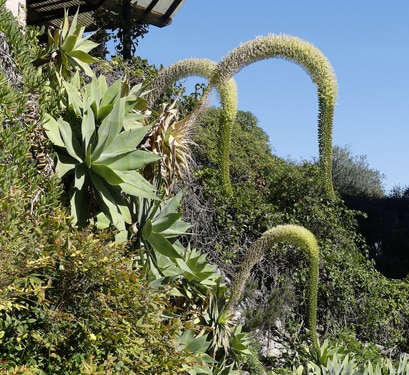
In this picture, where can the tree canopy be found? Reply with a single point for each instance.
(352, 175)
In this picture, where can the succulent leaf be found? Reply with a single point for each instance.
(102, 154)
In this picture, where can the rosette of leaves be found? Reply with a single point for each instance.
(197, 287)
(159, 228)
(67, 49)
(156, 229)
(228, 344)
(96, 146)
(339, 360)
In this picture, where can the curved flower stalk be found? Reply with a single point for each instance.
(227, 90)
(312, 61)
(303, 238)
(177, 71)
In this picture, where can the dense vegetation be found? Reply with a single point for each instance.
(101, 273)
(353, 297)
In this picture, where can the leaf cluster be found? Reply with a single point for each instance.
(65, 292)
(97, 151)
(337, 359)
(67, 50)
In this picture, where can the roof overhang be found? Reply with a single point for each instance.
(50, 12)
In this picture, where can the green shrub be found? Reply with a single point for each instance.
(81, 304)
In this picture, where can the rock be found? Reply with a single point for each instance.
(7, 64)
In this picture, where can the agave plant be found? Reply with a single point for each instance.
(97, 152)
(170, 138)
(160, 224)
(228, 344)
(67, 50)
(338, 360)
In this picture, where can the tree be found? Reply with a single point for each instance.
(122, 27)
(251, 153)
(352, 175)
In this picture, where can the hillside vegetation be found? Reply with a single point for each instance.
(119, 242)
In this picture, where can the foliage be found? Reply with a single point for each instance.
(113, 25)
(171, 139)
(137, 70)
(197, 288)
(352, 175)
(25, 46)
(74, 302)
(99, 140)
(67, 50)
(159, 224)
(97, 151)
(339, 360)
(71, 301)
(246, 208)
(282, 233)
(352, 293)
(352, 296)
(385, 223)
(79, 305)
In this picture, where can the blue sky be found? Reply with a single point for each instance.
(366, 42)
